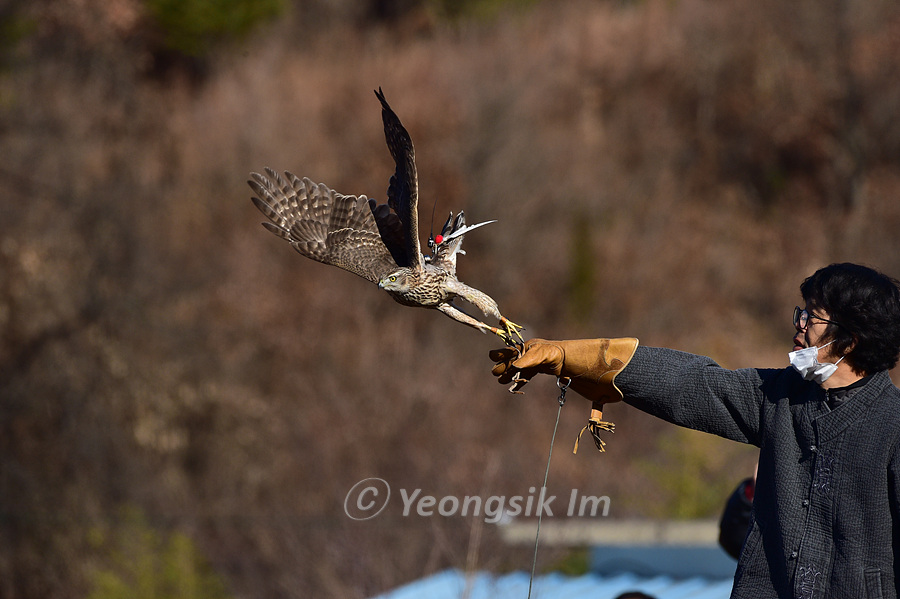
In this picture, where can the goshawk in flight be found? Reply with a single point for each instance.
(379, 242)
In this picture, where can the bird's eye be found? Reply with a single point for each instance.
(393, 278)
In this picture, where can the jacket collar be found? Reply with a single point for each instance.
(829, 423)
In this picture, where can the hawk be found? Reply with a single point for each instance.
(379, 242)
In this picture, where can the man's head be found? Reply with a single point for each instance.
(863, 307)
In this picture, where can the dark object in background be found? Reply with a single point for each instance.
(736, 518)
(635, 595)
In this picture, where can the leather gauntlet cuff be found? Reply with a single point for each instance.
(599, 362)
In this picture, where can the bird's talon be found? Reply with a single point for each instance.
(512, 331)
(509, 340)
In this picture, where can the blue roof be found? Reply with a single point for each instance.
(455, 584)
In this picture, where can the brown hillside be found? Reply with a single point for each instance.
(668, 170)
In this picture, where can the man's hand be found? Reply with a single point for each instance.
(591, 364)
(538, 356)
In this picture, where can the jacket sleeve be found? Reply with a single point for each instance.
(695, 392)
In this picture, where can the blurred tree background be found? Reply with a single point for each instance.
(185, 402)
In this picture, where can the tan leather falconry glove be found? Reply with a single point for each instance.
(590, 364)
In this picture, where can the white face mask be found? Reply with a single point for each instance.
(805, 361)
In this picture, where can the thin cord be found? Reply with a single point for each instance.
(537, 535)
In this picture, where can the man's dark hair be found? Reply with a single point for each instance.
(866, 304)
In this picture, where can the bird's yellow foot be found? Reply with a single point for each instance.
(510, 332)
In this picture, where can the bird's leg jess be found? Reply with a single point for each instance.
(595, 425)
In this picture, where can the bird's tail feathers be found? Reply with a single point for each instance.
(449, 243)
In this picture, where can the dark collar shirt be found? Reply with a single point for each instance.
(826, 510)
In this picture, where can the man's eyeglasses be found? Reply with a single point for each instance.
(802, 318)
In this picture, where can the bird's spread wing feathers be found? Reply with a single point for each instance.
(322, 224)
(403, 191)
(391, 230)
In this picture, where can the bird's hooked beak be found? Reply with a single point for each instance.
(381, 284)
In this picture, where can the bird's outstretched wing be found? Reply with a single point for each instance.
(403, 193)
(322, 224)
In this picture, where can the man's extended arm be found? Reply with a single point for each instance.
(695, 392)
(685, 389)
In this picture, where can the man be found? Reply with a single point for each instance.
(826, 508)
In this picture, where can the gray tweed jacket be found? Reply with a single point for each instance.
(826, 513)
